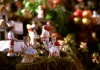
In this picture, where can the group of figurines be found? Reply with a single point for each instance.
(48, 38)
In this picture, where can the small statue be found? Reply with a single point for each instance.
(3, 13)
(54, 46)
(32, 34)
(11, 39)
(40, 12)
(45, 36)
(50, 27)
(29, 52)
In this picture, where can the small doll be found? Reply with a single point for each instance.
(29, 52)
(32, 33)
(11, 39)
(45, 36)
(54, 46)
(40, 12)
(50, 27)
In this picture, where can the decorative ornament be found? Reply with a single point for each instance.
(86, 21)
(87, 14)
(77, 20)
(83, 45)
(78, 13)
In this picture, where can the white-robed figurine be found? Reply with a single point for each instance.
(45, 36)
(40, 12)
(29, 52)
(11, 39)
(32, 34)
(54, 46)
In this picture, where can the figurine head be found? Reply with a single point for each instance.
(54, 36)
(48, 23)
(30, 27)
(11, 28)
(25, 38)
(39, 7)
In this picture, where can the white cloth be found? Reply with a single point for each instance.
(28, 49)
(53, 48)
(45, 36)
(40, 14)
(11, 35)
(32, 34)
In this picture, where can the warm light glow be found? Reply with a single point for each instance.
(41, 52)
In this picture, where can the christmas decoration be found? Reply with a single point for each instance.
(32, 33)
(77, 20)
(87, 14)
(83, 47)
(54, 46)
(29, 52)
(50, 11)
(78, 13)
(70, 43)
(11, 38)
(45, 35)
(86, 21)
(79, 29)
(96, 57)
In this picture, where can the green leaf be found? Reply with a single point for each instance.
(23, 11)
(48, 16)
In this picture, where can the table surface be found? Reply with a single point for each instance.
(4, 45)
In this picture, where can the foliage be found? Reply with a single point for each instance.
(59, 14)
(40, 63)
(70, 40)
(61, 21)
(49, 64)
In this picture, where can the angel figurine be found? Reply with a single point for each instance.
(29, 52)
(54, 46)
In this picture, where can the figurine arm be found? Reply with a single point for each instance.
(12, 35)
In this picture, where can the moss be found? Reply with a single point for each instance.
(40, 63)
